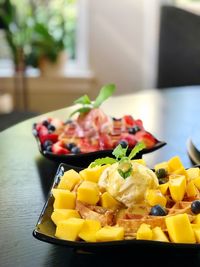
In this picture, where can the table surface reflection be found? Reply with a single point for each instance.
(171, 115)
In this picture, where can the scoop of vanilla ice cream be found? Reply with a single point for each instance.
(131, 190)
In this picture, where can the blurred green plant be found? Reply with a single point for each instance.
(39, 28)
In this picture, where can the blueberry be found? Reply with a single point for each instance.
(34, 125)
(123, 143)
(75, 150)
(195, 206)
(69, 146)
(35, 132)
(45, 123)
(158, 210)
(134, 129)
(49, 148)
(116, 119)
(47, 143)
(161, 173)
(51, 128)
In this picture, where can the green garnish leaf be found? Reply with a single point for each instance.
(124, 174)
(137, 148)
(102, 161)
(85, 100)
(80, 110)
(119, 152)
(106, 92)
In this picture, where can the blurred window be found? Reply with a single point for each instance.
(74, 13)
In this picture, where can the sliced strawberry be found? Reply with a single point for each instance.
(57, 123)
(58, 149)
(105, 142)
(129, 121)
(87, 145)
(139, 123)
(147, 138)
(52, 137)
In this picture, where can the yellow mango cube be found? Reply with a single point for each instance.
(175, 163)
(110, 233)
(163, 188)
(180, 229)
(177, 187)
(108, 202)
(197, 234)
(64, 199)
(88, 192)
(69, 180)
(191, 189)
(162, 165)
(69, 229)
(181, 171)
(197, 219)
(63, 214)
(193, 173)
(155, 197)
(144, 232)
(197, 182)
(140, 161)
(159, 235)
(92, 174)
(89, 229)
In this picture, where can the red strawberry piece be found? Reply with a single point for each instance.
(52, 137)
(87, 146)
(130, 138)
(59, 149)
(129, 121)
(147, 138)
(105, 142)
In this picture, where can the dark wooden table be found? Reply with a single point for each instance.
(25, 179)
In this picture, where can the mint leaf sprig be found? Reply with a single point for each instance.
(125, 166)
(87, 104)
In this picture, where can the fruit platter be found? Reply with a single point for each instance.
(89, 132)
(120, 201)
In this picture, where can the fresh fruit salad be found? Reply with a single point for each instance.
(91, 130)
(122, 199)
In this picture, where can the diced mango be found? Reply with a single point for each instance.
(159, 235)
(108, 202)
(110, 233)
(180, 229)
(69, 229)
(88, 192)
(197, 219)
(69, 180)
(193, 173)
(175, 163)
(155, 197)
(63, 214)
(89, 229)
(197, 182)
(197, 234)
(162, 165)
(140, 161)
(64, 199)
(180, 171)
(144, 232)
(163, 188)
(92, 174)
(177, 187)
(191, 189)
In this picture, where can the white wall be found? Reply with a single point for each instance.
(123, 42)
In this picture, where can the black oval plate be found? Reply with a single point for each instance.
(84, 159)
(45, 231)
